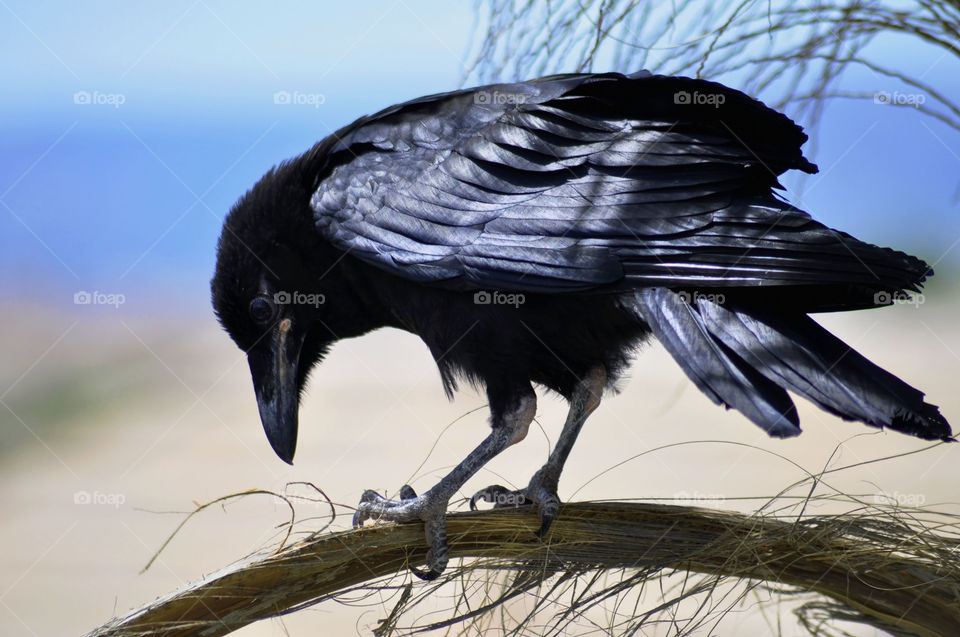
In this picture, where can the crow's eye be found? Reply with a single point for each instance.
(261, 310)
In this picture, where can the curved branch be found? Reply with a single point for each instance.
(890, 575)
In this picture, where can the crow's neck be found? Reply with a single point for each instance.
(357, 302)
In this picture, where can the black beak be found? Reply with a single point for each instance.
(274, 370)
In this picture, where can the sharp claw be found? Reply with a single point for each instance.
(482, 494)
(499, 495)
(428, 575)
(438, 556)
(546, 520)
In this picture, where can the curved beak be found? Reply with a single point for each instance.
(273, 366)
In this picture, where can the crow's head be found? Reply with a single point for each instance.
(269, 294)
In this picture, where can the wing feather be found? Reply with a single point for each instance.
(586, 182)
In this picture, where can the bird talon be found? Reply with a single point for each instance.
(537, 492)
(427, 507)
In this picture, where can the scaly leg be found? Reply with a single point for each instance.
(542, 489)
(431, 507)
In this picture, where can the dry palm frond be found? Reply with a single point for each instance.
(887, 567)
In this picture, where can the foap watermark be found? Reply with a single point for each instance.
(96, 98)
(898, 298)
(299, 298)
(99, 498)
(297, 98)
(696, 98)
(499, 97)
(483, 297)
(697, 499)
(899, 99)
(96, 297)
(504, 498)
(900, 499)
(691, 298)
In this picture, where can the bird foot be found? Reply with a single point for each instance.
(542, 492)
(427, 507)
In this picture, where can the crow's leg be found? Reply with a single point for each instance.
(542, 489)
(509, 427)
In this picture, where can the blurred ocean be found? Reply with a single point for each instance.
(129, 131)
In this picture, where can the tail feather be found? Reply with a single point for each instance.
(788, 352)
(716, 370)
(796, 353)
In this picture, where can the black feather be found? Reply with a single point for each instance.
(587, 183)
(796, 353)
(717, 370)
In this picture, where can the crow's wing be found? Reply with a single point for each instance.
(586, 182)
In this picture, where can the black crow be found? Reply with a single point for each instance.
(536, 233)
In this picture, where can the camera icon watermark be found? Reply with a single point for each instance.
(98, 498)
(696, 98)
(97, 98)
(299, 298)
(499, 98)
(483, 297)
(898, 298)
(297, 98)
(691, 298)
(82, 297)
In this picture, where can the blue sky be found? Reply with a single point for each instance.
(129, 129)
